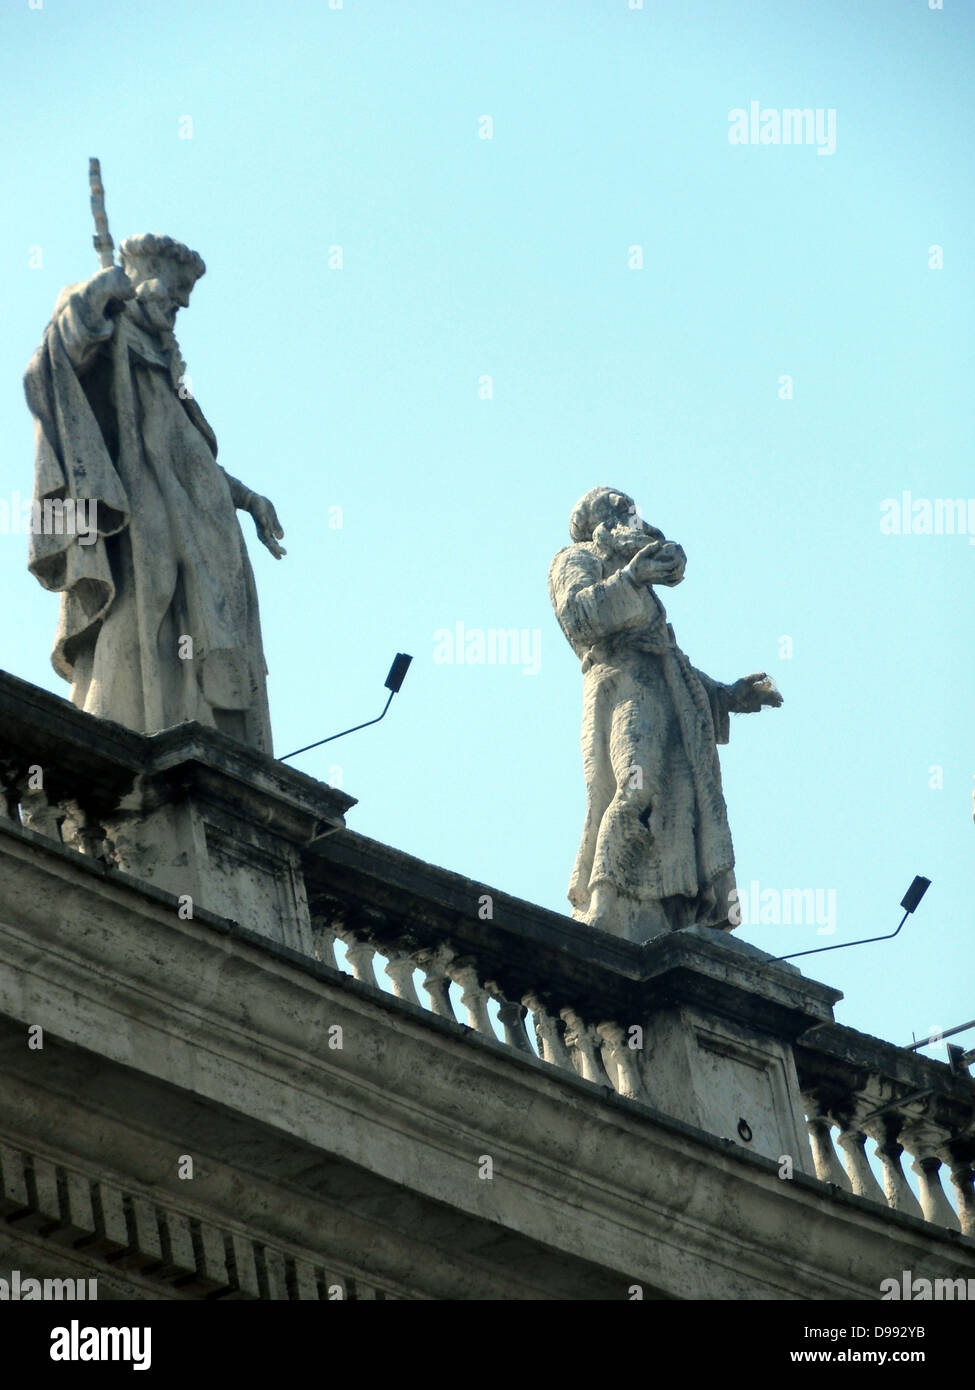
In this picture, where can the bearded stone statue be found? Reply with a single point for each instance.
(656, 851)
(159, 622)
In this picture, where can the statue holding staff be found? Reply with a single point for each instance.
(159, 621)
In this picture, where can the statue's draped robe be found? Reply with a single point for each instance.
(656, 824)
(169, 561)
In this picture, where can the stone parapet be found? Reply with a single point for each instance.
(189, 810)
(389, 1073)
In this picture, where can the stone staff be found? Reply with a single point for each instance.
(102, 240)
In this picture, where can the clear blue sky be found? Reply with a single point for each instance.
(358, 389)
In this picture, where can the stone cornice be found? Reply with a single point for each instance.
(241, 1027)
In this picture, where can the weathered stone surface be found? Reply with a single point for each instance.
(362, 1161)
(159, 621)
(656, 850)
(190, 810)
(352, 1143)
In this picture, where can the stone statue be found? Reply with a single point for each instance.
(159, 621)
(656, 850)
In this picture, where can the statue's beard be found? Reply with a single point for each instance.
(619, 543)
(158, 318)
(154, 309)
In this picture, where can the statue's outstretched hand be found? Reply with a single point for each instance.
(269, 530)
(748, 695)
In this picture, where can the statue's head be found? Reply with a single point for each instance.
(164, 272)
(608, 519)
(603, 506)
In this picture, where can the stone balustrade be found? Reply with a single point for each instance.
(563, 1039)
(905, 1107)
(916, 1112)
(658, 1024)
(460, 964)
(585, 1008)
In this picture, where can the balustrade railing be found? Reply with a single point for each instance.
(856, 1088)
(456, 989)
(546, 987)
(857, 1091)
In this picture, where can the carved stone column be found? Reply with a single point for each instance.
(583, 1043)
(39, 815)
(9, 796)
(884, 1131)
(962, 1175)
(399, 967)
(548, 1032)
(80, 832)
(922, 1139)
(436, 981)
(323, 938)
(360, 955)
(474, 996)
(620, 1062)
(511, 1016)
(819, 1125)
(862, 1180)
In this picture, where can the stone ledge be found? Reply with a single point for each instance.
(135, 1240)
(664, 1204)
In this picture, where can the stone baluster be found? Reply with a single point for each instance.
(620, 1062)
(511, 1016)
(399, 967)
(474, 996)
(548, 1032)
(436, 981)
(825, 1158)
(852, 1141)
(583, 1043)
(9, 796)
(883, 1131)
(922, 1140)
(962, 1174)
(37, 814)
(81, 832)
(360, 955)
(323, 936)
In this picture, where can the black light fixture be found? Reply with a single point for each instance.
(909, 902)
(913, 896)
(393, 682)
(397, 672)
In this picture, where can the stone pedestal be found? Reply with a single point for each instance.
(718, 1040)
(222, 826)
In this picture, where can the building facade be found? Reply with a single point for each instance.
(208, 1094)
